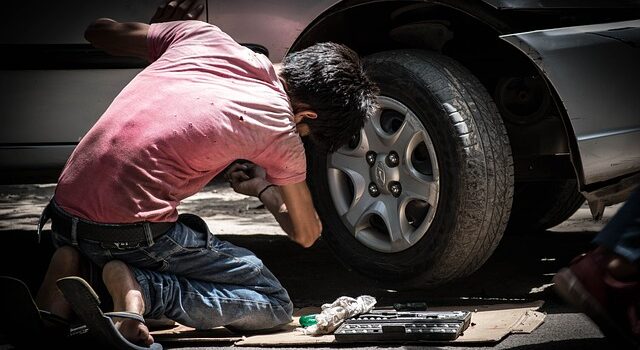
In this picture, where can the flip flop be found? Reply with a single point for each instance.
(85, 303)
(26, 325)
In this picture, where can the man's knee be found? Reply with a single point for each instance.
(66, 256)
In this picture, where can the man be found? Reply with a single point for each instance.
(203, 103)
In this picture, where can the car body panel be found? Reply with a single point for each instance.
(70, 98)
(581, 63)
(64, 21)
(55, 85)
(33, 159)
(560, 4)
(273, 24)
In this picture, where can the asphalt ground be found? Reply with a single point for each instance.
(520, 270)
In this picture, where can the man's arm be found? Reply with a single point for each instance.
(295, 209)
(119, 39)
(291, 205)
(130, 38)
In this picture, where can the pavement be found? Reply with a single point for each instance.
(519, 271)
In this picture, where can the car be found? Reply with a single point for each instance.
(496, 115)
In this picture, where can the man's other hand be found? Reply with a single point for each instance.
(178, 10)
(246, 178)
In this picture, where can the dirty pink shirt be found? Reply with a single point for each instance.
(202, 103)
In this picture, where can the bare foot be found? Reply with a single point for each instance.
(66, 261)
(127, 296)
(134, 331)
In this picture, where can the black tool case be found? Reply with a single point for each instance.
(399, 326)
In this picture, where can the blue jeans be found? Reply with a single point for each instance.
(622, 233)
(198, 280)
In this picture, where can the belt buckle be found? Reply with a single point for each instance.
(120, 245)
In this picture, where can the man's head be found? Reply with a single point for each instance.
(328, 87)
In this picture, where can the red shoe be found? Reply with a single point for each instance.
(612, 304)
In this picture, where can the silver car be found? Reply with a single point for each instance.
(497, 114)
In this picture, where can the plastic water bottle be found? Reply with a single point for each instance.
(308, 320)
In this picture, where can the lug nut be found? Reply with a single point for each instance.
(393, 159)
(371, 158)
(395, 188)
(374, 191)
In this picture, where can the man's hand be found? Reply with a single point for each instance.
(248, 178)
(291, 205)
(178, 10)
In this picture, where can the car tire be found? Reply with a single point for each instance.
(538, 206)
(455, 168)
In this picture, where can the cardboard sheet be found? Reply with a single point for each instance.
(182, 333)
(489, 324)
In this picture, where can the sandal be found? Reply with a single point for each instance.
(85, 304)
(27, 325)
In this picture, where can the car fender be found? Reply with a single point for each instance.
(594, 72)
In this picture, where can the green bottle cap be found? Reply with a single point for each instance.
(308, 320)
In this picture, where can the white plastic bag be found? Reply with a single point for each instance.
(334, 314)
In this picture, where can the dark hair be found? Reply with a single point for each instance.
(329, 78)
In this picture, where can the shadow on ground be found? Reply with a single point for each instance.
(520, 269)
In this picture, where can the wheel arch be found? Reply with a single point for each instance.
(469, 32)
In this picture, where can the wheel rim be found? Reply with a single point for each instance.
(385, 183)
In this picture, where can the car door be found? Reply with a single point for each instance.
(54, 84)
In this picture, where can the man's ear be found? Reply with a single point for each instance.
(298, 117)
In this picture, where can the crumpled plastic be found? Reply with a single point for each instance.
(334, 314)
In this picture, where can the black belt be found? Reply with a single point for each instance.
(122, 236)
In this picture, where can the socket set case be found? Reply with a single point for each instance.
(385, 325)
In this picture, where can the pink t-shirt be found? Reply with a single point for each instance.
(204, 102)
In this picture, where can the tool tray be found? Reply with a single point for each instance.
(385, 325)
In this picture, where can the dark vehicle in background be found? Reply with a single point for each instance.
(495, 114)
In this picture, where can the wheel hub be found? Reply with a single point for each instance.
(383, 175)
(385, 186)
